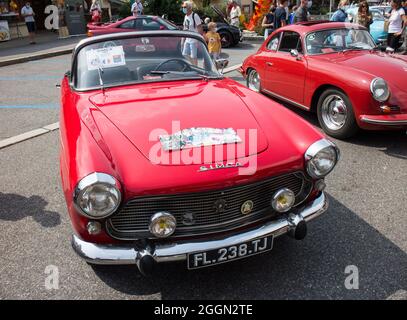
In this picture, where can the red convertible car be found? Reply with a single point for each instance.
(335, 70)
(138, 23)
(163, 159)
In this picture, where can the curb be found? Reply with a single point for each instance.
(34, 57)
(28, 135)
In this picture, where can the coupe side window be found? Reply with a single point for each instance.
(290, 40)
(273, 43)
(127, 25)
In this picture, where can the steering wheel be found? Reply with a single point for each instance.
(184, 65)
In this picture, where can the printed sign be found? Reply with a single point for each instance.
(4, 31)
(105, 57)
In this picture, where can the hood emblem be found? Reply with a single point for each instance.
(198, 137)
(247, 207)
(216, 166)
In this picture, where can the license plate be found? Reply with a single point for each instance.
(222, 255)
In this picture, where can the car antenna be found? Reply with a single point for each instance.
(101, 71)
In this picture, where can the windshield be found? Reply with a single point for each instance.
(151, 58)
(336, 40)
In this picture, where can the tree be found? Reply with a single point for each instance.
(171, 9)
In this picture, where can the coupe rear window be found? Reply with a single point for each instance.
(142, 59)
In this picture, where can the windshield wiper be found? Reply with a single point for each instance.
(100, 72)
(186, 76)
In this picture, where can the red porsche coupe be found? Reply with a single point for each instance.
(335, 70)
(163, 159)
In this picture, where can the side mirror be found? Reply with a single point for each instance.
(221, 64)
(294, 53)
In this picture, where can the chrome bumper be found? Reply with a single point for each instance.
(385, 122)
(178, 250)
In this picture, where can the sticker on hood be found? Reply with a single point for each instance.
(198, 137)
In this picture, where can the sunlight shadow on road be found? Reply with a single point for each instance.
(14, 207)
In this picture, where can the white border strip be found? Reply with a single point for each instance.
(28, 135)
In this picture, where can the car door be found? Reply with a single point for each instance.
(265, 61)
(288, 68)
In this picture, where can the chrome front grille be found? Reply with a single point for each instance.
(132, 221)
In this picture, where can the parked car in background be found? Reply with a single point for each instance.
(230, 35)
(163, 160)
(336, 70)
(138, 23)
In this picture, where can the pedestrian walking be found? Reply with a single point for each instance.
(214, 41)
(235, 13)
(106, 10)
(268, 22)
(192, 22)
(301, 14)
(363, 17)
(28, 13)
(137, 8)
(340, 15)
(280, 15)
(95, 11)
(397, 25)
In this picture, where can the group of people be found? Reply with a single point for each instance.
(96, 9)
(284, 14)
(396, 24)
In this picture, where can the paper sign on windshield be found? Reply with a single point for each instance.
(198, 137)
(105, 57)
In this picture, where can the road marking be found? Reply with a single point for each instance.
(232, 68)
(55, 126)
(28, 135)
(31, 106)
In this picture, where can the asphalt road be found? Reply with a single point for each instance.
(364, 226)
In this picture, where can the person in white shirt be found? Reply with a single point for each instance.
(28, 13)
(235, 14)
(192, 22)
(397, 24)
(137, 8)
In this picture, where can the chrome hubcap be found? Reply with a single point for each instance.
(254, 81)
(334, 112)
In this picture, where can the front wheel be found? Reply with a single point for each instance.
(226, 39)
(335, 114)
(253, 80)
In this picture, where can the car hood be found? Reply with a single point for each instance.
(392, 68)
(143, 112)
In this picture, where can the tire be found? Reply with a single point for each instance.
(226, 39)
(253, 81)
(335, 114)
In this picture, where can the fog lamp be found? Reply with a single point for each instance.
(94, 227)
(283, 200)
(162, 224)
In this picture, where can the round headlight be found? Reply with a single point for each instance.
(162, 224)
(283, 200)
(97, 195)
(320, 158)
(379, 89)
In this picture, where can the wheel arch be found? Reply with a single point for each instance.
(318, 92)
